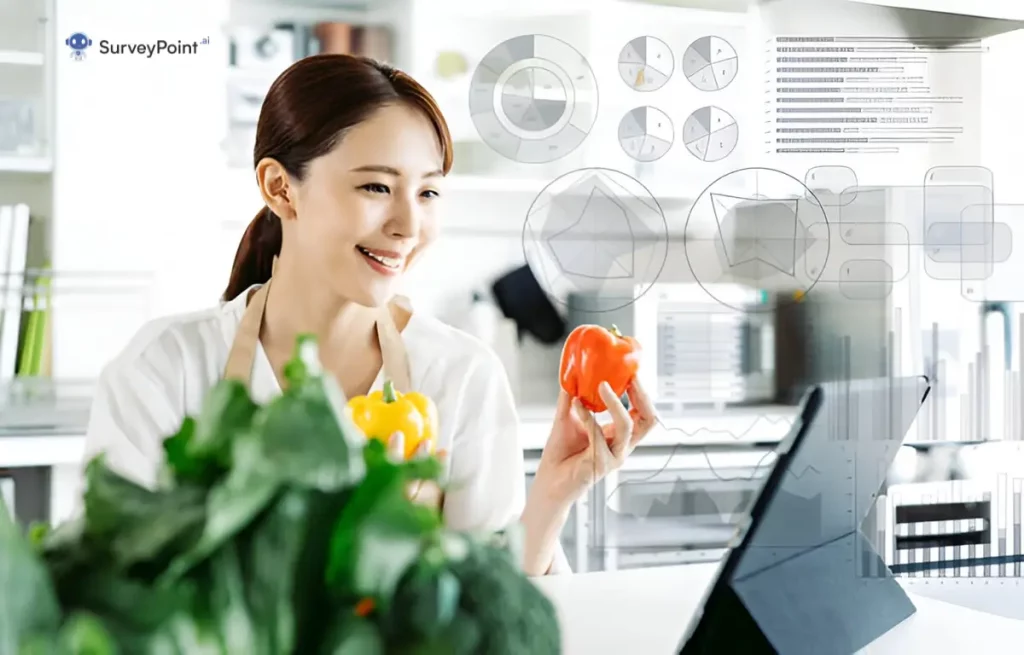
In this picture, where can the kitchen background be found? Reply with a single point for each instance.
(126, 182)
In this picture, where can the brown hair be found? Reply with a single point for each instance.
(308, 109)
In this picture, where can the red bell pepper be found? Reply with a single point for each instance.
(592, 355)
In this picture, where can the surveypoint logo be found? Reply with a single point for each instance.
(79, 42)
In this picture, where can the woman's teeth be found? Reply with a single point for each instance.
(390, 262)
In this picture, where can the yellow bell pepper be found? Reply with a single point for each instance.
(381, 414)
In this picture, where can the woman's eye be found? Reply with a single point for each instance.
(430, 193)
(375, 188)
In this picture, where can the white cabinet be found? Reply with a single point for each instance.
(25, 87)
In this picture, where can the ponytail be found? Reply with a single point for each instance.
(255, 257)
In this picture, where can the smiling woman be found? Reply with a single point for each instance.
(368, 152)
(349, 158)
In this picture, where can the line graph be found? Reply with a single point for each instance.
(706, 454)
(804, 471)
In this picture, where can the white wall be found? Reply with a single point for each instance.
(138, 167)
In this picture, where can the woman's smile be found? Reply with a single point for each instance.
(385, 262)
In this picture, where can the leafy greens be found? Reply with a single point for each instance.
(280, 530)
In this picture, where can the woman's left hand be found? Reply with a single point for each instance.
(579, 451)
(422, 492)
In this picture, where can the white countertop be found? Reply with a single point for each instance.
(648, 610)
(18, 451)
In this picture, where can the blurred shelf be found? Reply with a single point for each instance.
(663, 193)
(731, 6)
(40, 406)
(18, 451)
(515, 9)
(486, 183)
(21, 58)
(15, 164)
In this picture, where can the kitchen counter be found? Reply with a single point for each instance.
(648, 610)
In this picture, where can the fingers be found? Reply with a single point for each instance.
(412, 490)
(644, 415)
(396, 447)
(564, 406)
(621, 421)
(590, 425)
(423, 450)
(425, 492)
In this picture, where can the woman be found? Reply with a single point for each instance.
(350, 158)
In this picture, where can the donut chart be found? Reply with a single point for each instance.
(533, 99)
(646, 134)
(710, 63)
(710, 134)
(646, 63)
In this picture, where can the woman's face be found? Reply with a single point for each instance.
(368, 208)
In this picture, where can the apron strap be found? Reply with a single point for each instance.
(392, 350)
(243, 349)
(242, 355)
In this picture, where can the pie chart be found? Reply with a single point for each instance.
(710, 63)
(646, 63)
(710, 134)
(646, 134)
(533, 99)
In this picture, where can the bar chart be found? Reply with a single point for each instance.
(957, 529)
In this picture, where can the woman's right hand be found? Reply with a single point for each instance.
(423, 492)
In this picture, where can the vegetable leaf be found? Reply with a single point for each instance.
(354, 636)
(278, 529)
(379, 533)
(138, 525)
(29, 605)
(201, 450)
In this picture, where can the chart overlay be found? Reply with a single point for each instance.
(646, 63)
(710, 63)
(957, 529)
(860, 95)
(533, 99)
(646, 134)
(710, 134)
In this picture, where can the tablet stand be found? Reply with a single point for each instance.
(805, 580)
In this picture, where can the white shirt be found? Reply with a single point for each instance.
(166, 371)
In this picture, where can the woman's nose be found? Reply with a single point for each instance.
(405, 219)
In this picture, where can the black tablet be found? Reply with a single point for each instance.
(801, 578)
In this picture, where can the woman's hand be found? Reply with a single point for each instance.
(423, 492)
(579, 451)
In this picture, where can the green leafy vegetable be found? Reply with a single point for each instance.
(29, 605)
(279, 530)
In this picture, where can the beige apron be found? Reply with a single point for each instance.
(242, 356)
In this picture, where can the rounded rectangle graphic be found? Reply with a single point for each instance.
(865, 279)
(843, 254)
(829, 184)
(995, 275)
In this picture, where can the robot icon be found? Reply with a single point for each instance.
(78, 42)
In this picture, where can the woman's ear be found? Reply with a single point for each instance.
(276, 188)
